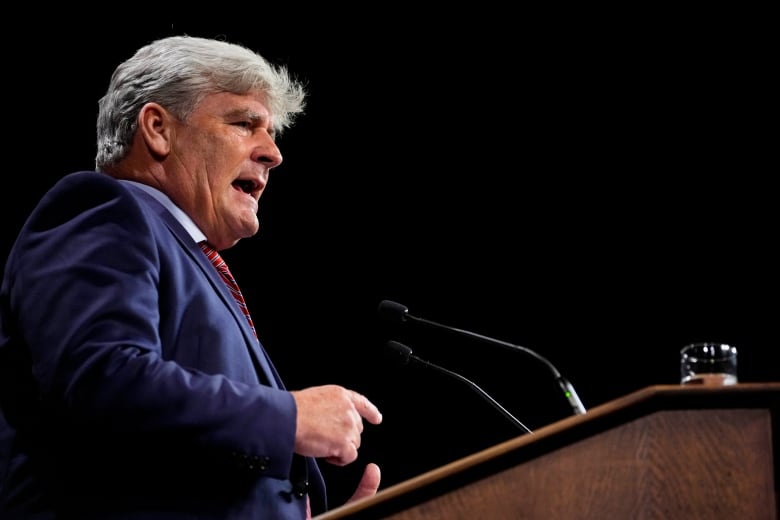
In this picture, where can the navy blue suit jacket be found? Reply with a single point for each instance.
(131, 385)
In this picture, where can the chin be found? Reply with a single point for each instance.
(250, 230)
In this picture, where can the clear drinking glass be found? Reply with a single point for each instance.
(709, 364)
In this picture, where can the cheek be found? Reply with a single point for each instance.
(217, 158)
(223, 157)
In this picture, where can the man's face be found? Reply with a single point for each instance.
(219, 165)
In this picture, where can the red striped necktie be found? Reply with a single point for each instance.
(218, 262)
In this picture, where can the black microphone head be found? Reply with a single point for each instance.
(392, 311)
(402, 350)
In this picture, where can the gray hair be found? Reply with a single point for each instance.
(177, 72)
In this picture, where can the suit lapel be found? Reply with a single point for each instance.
(262, 362)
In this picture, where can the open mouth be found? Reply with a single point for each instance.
(247, 186)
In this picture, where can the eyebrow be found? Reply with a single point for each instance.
(253, 116)
(247, 113)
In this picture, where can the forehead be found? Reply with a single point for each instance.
(226, 104)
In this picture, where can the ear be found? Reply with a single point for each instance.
(156, 126)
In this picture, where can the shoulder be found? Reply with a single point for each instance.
(82, 190)
(86, 201)
(83, 185)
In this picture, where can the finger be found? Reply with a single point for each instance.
(369, 483)
(336, 461)
(366, 408)
(349, 455)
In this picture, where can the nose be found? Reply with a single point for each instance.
(266, 152)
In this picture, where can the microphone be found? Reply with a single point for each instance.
(406, 354)
(397, 313)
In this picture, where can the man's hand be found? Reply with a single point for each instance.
(330, 423)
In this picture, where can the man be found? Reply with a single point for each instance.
(132, 382)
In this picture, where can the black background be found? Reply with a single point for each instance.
(596, 186)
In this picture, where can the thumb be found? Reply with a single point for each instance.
(369, 483)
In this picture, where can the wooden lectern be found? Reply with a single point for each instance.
(663, 452)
